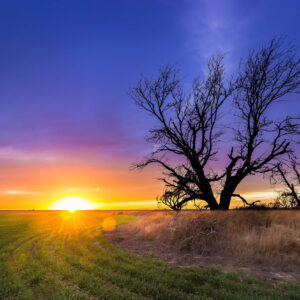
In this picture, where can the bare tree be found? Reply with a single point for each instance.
(188, 131)
(289, 175)
(175, 201)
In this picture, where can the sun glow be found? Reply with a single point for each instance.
(73, 203)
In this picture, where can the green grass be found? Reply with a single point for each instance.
(54, 256)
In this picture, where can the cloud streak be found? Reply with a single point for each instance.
(21, 155)
(20, 192)
(215, 27)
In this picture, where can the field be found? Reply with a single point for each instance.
(60, 255)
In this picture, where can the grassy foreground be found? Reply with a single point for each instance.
(63, 256)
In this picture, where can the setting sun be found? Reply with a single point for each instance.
(73, 203)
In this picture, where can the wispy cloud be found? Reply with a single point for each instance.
(11, 153)
(214, 26)
(261, 195)
(129, 204)
(78, 189)
(20, 192)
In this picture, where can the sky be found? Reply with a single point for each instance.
(67, 124)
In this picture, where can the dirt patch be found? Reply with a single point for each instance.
(127, 238)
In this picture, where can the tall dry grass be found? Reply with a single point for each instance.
(259, 237)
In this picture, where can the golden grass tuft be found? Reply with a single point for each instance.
(260, 237)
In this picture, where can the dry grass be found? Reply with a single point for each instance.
(269, 238)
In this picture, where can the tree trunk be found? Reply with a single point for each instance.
(224, 201)
(212, 203)
(229, 189)
(226, 195)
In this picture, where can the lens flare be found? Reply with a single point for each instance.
(109, 223)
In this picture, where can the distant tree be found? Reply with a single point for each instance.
(289, 175)
(187, 135)
(175, 201)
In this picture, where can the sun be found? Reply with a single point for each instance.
(73, 203)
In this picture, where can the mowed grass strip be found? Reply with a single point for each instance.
(64, 256)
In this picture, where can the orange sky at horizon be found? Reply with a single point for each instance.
(35, 182)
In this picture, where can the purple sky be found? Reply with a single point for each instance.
(66, 67)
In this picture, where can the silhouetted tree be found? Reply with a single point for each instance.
(175, 201)
(289, 175)
(188, 131)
